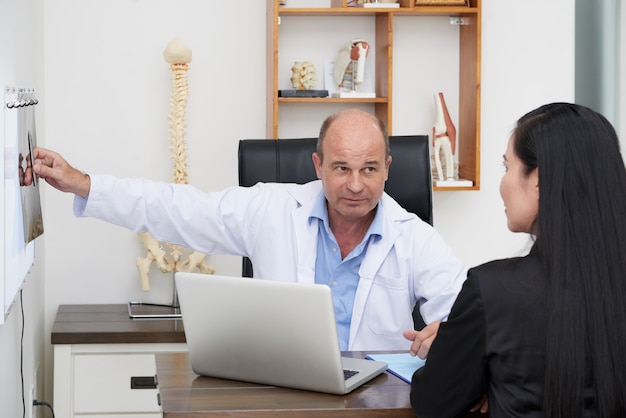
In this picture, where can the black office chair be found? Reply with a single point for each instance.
(289, 161)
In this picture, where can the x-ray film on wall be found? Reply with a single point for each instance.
(29, 184)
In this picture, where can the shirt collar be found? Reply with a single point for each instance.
(320, 211)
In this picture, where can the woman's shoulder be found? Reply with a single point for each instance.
(523, 264)
(514, 276)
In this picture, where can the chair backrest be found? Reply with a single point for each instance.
(289, 161)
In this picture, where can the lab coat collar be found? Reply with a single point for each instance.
(306, 195)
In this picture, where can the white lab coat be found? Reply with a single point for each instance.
(269, 223)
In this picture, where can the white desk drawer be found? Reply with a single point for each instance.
(102, 384)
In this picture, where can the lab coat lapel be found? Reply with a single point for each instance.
(375, 257)
(306, 231)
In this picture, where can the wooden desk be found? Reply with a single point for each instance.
(184, 394)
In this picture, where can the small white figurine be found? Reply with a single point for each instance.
(304, 75)
(444, 139)
(353, 53)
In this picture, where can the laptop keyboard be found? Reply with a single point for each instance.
(349, 373)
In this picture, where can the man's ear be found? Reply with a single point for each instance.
(317, 162)
(387, 164)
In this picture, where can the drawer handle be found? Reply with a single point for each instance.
(143, 382)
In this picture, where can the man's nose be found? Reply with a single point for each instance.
(355, 182)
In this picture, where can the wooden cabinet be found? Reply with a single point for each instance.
(383, 23)
(103, 361)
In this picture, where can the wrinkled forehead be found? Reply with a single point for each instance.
(355, 142)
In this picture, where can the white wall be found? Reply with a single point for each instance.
(106, 102)
(527, 60)
(21, 43)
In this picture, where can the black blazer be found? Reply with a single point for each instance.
(493, 342)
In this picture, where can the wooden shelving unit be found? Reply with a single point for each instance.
(469, 20)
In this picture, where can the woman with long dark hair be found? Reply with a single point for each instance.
(544, 335)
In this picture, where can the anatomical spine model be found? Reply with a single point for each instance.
(304, 75)
(179, 56)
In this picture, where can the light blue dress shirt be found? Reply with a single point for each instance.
(342, 276)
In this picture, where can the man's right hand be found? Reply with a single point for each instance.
(422, 340)
(51, 167)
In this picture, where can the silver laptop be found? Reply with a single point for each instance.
(269, 332)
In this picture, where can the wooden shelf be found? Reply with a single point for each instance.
(359, 11)
(468, 125)
(331, 100)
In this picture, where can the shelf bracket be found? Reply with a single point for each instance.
(459, 21)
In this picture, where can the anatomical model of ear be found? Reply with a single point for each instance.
(444, 139)
(353, 54)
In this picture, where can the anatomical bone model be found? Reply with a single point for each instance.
(304, 75)
(444, 139)
(351, 60)
(178, 55)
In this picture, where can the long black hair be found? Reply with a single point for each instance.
(580, 234)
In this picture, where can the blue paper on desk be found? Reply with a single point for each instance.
(402, 365)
